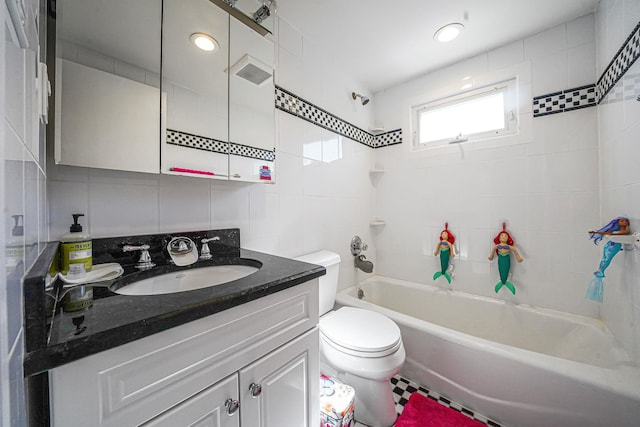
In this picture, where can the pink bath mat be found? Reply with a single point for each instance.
(421, 411)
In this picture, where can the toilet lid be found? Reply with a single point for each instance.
(360, 330)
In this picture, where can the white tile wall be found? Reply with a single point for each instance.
(545, 187)
(619, 127)
(22, 179)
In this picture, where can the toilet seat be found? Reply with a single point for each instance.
(360, 332)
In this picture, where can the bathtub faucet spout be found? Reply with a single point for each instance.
(363, 264)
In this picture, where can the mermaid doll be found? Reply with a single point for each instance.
(503, 246)
(446, 250)
(619, 225)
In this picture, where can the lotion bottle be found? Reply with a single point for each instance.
(76, 250)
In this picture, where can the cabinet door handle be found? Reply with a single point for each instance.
(255, 389)
(232, 406)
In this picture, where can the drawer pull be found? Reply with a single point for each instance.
(232, 406)
(255, 389)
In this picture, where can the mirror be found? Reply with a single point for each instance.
(251, 105)
(108, 54)
(195, 90)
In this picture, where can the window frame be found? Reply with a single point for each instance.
(508, 87)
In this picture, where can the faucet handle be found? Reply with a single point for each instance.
(205, 253)
(144, 262)
(357, 246)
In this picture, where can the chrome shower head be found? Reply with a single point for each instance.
(364, 99)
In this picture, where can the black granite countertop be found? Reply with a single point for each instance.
(54, 337)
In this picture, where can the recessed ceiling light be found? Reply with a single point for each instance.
(204, 41)
(448, 32)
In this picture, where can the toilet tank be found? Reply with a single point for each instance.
(328, 284)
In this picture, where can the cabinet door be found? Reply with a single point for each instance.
(281, 389)
(251, 105)
(217, 406)
(107, 82)
(195, 89)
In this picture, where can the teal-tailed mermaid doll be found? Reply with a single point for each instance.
(446, 250)
(619, 225)
(503, 246)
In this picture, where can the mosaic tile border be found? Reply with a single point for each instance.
(388, 138)
(566, 100)
(604, 91)
(252, 152)
(403, 388)
(628, 53)
(290, 103)
(184, 139)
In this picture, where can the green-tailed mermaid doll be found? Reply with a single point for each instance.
(503, 246)
(446, 251)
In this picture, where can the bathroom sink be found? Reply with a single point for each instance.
(187, 280)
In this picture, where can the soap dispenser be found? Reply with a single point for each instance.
(76, 250)
(14, 248)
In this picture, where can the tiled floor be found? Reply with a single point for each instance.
(402, 389)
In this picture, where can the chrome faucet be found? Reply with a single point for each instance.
(145, 262)
(363, 264)
(360, 261)
(205, 253)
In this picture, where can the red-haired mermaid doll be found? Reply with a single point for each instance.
(446, 250)
(503, 246)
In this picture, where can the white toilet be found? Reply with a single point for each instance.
(361, 348)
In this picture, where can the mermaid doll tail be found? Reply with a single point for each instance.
(444, 264)
(509, 286)
(608, 252)
(595, 289)
(445, 274)
(504, 265)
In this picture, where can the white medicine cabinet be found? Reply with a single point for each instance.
(134, 93)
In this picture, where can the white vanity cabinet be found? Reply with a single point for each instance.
(262, 355)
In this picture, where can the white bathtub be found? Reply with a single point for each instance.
(516, 364)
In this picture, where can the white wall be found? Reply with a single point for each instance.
(619, 133)
(323, 195)
(22, 179)
(543, 183)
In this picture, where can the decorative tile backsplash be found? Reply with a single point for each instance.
(197, 142)
(294, 105)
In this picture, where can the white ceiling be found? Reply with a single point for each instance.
(383, 43)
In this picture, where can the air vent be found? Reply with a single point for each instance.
(251, 69)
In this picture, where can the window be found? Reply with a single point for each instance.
(480, 114)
